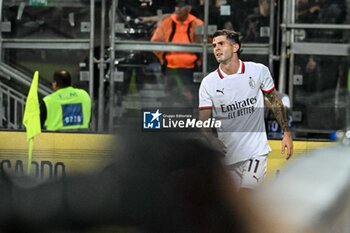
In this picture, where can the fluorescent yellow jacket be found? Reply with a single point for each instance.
(68, 108)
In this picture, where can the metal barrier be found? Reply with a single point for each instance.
(281, 47)
(21, 78)
(319, 105)
(12, 102)
(11, 107)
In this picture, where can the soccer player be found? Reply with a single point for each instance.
(234, 94)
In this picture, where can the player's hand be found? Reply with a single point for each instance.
(217, 143)
(220, 145)
(287, 143)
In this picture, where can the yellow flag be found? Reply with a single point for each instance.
(31, 118)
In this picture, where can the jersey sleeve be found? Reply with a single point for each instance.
(267, 84)
(204, 97)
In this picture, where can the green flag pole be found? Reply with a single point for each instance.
(30, 156)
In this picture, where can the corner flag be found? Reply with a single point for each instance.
(31, 118)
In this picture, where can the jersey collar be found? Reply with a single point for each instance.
(241, 70)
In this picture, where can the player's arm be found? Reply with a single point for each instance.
(280, 113)
(204, 114)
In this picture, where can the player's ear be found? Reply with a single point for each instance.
(54, 86)
(235, 47)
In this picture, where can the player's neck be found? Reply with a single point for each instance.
(230, 67)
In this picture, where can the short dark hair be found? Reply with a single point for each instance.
(62, 78)
(181, 3)
(231, 35)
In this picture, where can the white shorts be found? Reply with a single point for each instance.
(249, 173)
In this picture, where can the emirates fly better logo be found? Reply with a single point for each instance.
(180, 119)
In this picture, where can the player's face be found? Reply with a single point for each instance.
(224, 50)
(182, 12)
